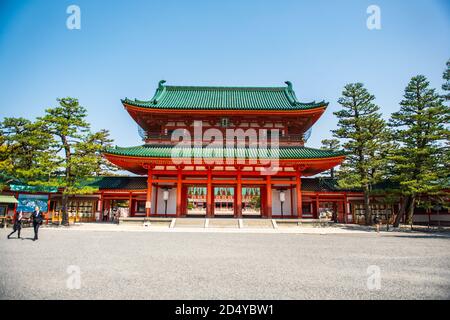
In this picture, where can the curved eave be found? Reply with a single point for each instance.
(136, 164)
(315, 108)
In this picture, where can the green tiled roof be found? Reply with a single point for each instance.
(117, 182)
(164, 151)
(225, 98)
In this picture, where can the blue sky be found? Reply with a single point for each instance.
(125, 47)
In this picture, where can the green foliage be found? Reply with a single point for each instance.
(420, 160)
(365, 139)
(25, 151)
(58, 149)
(446, 85)
(255, 202)
(331, 145)
(78, 149)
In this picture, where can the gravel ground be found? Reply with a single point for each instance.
(156, 265)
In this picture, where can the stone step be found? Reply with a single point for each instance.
(258, 223)
(223, 223)
(304, 223)
(190, 223)
(201, 222)
(138, 221)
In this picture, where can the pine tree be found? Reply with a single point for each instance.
(419, 127)
(79, 149)
(331, 145)
(26, 152)
(446, 157)
(364, 135)
(446, 85)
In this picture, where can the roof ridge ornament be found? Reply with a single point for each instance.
(159, 92)
(290, 93)
(289, 84)
(161, 84)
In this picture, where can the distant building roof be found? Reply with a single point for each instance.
(8, 199)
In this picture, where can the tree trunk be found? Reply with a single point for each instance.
(410, 211)
(399, 214)
(403, 209)
(387, 216)
(68, 175)
(65, 214)
(368, 212)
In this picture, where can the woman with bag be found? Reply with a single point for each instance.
(17, 225)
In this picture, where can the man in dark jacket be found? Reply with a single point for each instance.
(37, 219)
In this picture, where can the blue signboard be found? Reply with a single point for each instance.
(27, 202)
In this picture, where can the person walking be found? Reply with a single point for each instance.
(17, 225)
(377, 222)
(37, 219)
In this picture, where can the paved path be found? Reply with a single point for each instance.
(222, 265)
(334, 229)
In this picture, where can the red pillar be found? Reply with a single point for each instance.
(317, 206)
(269, 197)
(263, 202)
(100, 217)
(179, 193)
(235, 202)
(185, 201)
(14, 212)
(130, 204)
(156, 198)
(148, 203)
(298, 188)
(345, 208)
(239, 195)
(209, 195)
(292, 201)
